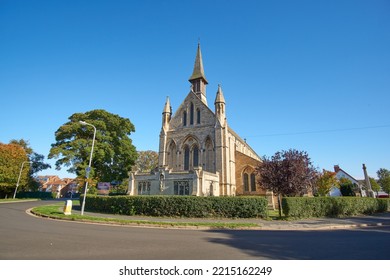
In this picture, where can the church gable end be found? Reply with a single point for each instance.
(192, 113)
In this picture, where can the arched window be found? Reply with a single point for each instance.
(208, 158)
(195, 157)
(186, 158)
(192, 114)
(172, 155)
(198, 116)
(253, 182)
(246, 182)
(184, 118)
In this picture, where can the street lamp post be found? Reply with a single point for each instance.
(89, 165)
(20, 174)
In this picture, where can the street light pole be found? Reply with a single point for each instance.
(20, 174)
(89, 165)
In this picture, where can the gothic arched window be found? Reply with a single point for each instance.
(208, 158)
(186, 158)
(195, 157)
(198, 116)
(246, 182)
(172, 155)
(192, 114)
(253, 182)
(184, 118)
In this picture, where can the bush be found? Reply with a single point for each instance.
(309, 207)
(179, 206)
(39, 195)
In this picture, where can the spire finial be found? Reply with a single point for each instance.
(198, 72)
(219, 98)
(167, 107)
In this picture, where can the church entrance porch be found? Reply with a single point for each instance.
(196, 182)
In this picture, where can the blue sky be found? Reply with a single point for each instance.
(308, 75)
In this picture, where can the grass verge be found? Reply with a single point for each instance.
(7, 200)
(55, 212)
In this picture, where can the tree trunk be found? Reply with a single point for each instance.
(280, 206)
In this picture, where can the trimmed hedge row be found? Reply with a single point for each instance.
(179, 206)
(39, 195)
(310, 207)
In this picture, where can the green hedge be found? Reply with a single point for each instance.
(179, 206)
(39, 195)
(309, 207)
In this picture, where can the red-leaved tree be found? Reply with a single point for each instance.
(287, 173)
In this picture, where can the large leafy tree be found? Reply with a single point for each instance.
(384, 179)
(287, 173)
(146, 161)
(113, 154)
(36, 164)
(325, 182)
(12, 157)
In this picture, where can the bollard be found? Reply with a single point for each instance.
(68, 207)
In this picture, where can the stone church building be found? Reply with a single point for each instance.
(199, 154)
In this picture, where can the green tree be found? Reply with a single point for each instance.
(374, 185)
(12, 157)
(37, 163)
(347, 188)
(287, 173)
(384, 179)
(113, 154)
(146, 161)
(325, 182)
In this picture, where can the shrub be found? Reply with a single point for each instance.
(308, 207)
(179, 206)
(39, 195)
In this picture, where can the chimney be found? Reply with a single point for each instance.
(336, 168)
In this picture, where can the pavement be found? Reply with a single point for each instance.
(380, 219)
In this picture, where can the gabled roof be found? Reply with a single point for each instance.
(242, 141)
(337, 169)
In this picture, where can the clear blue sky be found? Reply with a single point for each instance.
(308, 75)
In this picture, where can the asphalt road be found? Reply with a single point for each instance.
(23, 236)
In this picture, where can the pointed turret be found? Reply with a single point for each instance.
(219, 98)
(166, 118)
(220, 106)
(167, 106)
(198, 78)
(167, 113)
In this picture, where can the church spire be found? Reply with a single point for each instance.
(198, 78)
